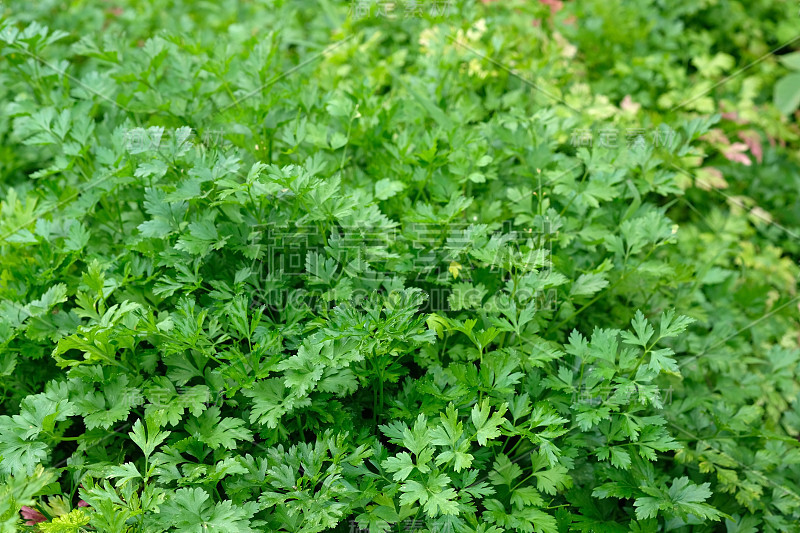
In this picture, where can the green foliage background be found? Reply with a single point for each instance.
(493, 325)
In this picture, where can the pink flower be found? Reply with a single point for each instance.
(555, 5)
(32, 516)
(753, 141)
(627, 104)
(716, 136)
(735, 153)
(82, 503)
(733, 115)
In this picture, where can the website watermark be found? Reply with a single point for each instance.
(155, 138)
(408, 525)
(630, 138)
(301, 265)
(401, 9)
(621, 395)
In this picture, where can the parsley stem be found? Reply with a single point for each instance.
(63, 439)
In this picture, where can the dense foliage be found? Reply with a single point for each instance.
(524, 266)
